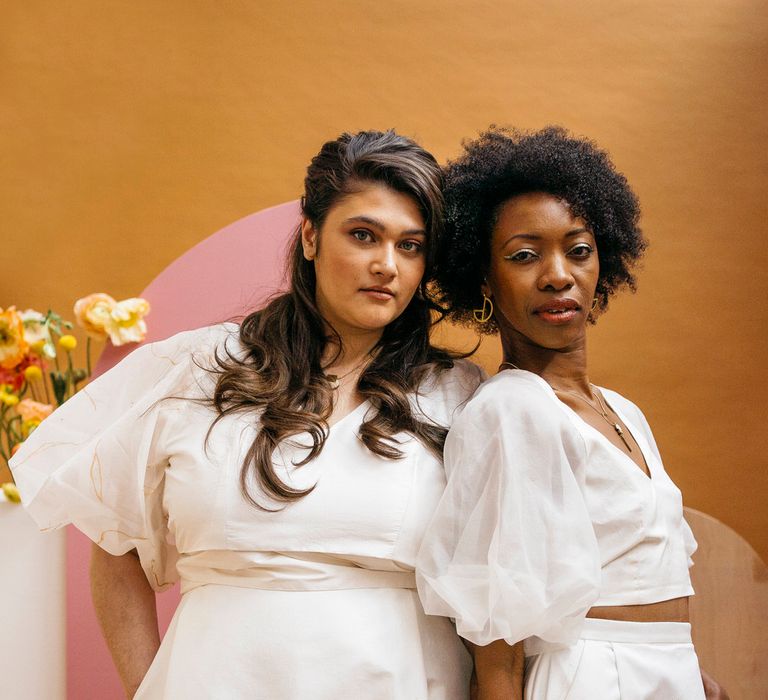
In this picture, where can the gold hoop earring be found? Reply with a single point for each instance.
(595, 302)
(483, 315)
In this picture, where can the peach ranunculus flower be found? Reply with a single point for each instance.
(92, 313)
(13, 346)
(123, 321)
(30, 410)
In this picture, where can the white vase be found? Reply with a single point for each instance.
(33, 612)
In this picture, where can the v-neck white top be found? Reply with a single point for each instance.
(316, 599)
(543, 518)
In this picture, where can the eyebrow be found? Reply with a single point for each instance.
(536, 236)
(375, 223)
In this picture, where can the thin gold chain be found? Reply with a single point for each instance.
(602, 411)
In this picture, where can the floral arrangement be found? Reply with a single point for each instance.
(37, 367)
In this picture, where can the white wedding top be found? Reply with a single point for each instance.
(543, 518)
(325, 582)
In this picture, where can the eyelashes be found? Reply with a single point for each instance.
(408, 245)
(581, 251)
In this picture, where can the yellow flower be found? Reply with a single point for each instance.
(11, 492)
(126, 321)
(32, 373)
(33, 410)
(9, 399)
(27, 426)
(93, 313)
(67, 342)
(37, 333)
(13, 347)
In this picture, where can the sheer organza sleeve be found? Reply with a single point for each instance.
(510, 552)
(98, 462)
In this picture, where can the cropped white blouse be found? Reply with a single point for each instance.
(543, 518)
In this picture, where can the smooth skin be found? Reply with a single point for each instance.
(542, 277)
(369, 259)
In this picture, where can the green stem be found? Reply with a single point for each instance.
(56, 354)
(70, 377)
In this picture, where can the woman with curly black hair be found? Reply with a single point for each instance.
(559, 527)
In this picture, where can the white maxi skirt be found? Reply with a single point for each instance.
(616, 660)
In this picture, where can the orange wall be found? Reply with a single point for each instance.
(130, 131)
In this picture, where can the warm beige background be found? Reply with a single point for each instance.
(131, 130)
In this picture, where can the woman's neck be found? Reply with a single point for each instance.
(563, 369)
(355, 349)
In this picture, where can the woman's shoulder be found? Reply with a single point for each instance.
(516, 398)
(513, 390)
(204, 341)
(443, 391)
(173, 365)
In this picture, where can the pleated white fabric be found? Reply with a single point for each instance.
(316, 600)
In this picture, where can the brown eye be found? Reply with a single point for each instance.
(582, 250)
(521, 256)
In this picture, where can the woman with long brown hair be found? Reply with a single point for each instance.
(283, 469)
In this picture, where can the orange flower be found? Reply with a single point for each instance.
(13, 347)
(33, 410)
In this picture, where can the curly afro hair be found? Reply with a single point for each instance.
(503, 163)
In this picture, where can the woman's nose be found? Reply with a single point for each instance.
(556, 273)
(384, 262)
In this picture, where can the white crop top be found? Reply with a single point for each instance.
(543, 518)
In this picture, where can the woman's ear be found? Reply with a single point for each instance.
(308, 239)
(486, 290)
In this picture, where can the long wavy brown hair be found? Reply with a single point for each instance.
(280, 377)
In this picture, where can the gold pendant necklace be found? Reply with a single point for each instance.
(602, 411)
(335, 381)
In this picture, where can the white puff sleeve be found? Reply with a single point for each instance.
(98, 461)
(510, 552)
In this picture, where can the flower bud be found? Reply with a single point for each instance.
(68, 342)
(32, 373)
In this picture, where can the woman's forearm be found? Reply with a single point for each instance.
(499, 668)
(125, 606)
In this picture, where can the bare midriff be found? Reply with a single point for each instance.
(674, 610)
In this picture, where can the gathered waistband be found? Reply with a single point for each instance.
(620, 631)
(286, 572)
(637, 632)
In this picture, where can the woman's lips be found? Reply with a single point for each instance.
(378, 293)
(558, 311)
